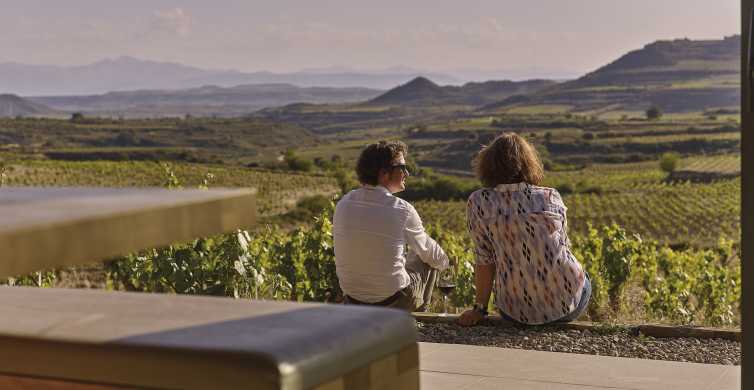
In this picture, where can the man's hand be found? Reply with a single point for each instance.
(470, 317)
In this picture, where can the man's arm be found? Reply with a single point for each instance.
(428, 250)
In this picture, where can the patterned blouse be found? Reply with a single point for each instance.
(522, 230)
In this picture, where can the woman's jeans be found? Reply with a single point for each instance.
(586, 293)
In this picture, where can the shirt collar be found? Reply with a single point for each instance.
(512, 187)
(378, 188)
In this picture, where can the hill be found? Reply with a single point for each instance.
(203, 101)
(128, 74)
(98, 138)
(422, 92)
(13, 106)
(677, 76)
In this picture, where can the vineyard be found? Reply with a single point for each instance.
(678, 215)
(638, 197)
(656, 250)
(277, 191)
(633, 280)
(725, 164)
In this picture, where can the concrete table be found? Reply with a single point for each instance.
(42, 228)
(107, 340)
(85, 339)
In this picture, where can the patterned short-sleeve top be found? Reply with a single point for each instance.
(522, 230)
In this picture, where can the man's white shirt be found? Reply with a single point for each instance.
(371, 229)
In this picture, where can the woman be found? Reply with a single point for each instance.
(519, 234)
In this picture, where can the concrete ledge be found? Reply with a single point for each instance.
(654, 330)
(163, 341)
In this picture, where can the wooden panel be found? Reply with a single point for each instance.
(44, 228)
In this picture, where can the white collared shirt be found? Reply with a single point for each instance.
(371, 228)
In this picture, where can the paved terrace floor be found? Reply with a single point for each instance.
(453, 366)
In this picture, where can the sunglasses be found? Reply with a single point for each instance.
(403, 167)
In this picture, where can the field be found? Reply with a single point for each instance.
(277, 191)
(606, 167)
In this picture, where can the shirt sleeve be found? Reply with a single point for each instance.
(428, 250)
(557, 205)
(483, 250)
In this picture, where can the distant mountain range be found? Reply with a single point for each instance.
(128, 74)
(204, 101)
(678, 75)
(422, 91)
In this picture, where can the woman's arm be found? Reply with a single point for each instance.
(484, 267)
(484, 275)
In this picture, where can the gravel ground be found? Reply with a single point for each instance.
(604, 342)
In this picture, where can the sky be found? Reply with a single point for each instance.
(547, 36)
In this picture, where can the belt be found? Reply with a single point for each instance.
(385, 302)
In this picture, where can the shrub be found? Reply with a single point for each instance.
(299, 164)
(653, 113)
(669, 162)
(565, 188)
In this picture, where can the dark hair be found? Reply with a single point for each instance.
(508, 159)
(376, 157)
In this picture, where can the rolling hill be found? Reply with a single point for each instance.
(676, 76)
(16, 106)
(203, 101)
(423, 92)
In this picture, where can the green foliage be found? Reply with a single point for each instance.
(462, 260)
(219, 265)
(688, 286)
(438, 187)
(171, 180)
(618, 254)
(669, 162)
(270, 264)
(296, 163)
(681, 286)
(588, 250)
(346, 180)
(36, 279)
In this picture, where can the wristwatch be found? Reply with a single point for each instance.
(480, 309)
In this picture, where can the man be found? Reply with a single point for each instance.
(371, 229)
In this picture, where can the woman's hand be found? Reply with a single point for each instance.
(470, 317)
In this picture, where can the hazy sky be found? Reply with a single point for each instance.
(286, 35)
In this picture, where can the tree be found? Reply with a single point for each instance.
(653, 113)
(77, 117)
(669, 162)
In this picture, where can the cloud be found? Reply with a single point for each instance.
(175, 20)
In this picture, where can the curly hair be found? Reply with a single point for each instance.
(508, 159)
(376, 157)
